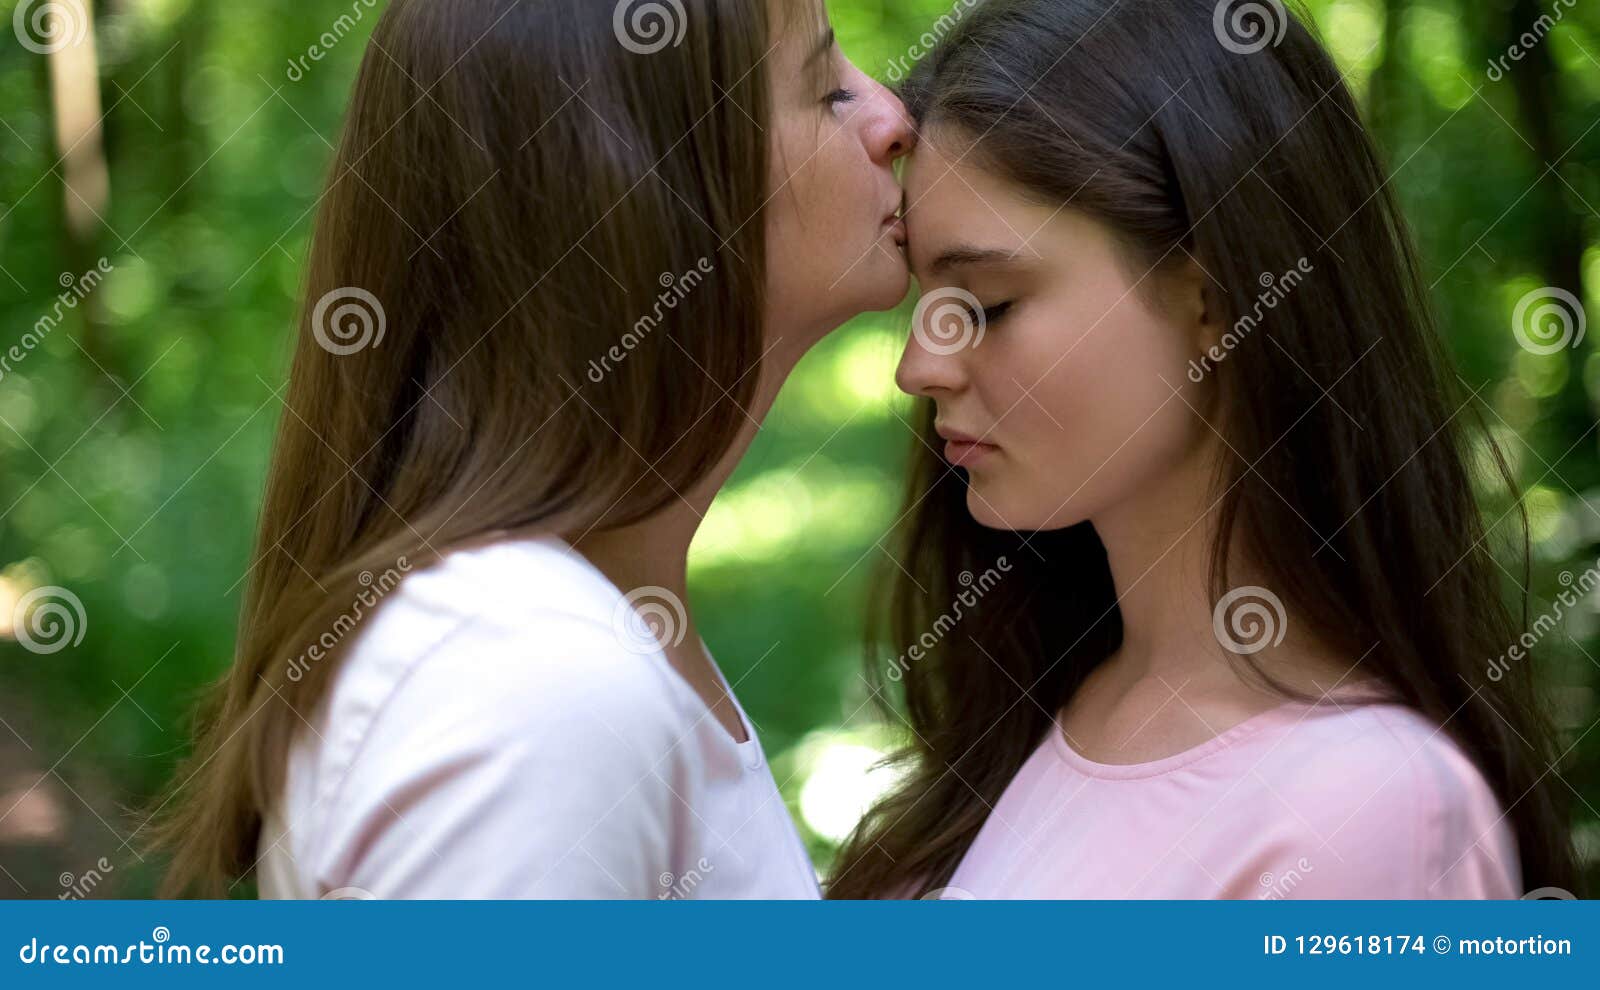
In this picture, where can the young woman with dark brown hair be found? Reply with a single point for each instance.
(1183, 396)
(568, 252)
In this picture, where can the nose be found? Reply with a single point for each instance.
(929, 370)
(890, 132)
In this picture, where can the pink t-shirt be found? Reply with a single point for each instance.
(1302, 801)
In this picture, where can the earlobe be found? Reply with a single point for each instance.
(1208, 319)
(1200, 305)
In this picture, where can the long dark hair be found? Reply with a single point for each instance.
(1245, 155)
(486, 347)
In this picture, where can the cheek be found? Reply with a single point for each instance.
(800, 212)
(1092, 415)
(813, 179)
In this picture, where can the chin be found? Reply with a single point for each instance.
(991, 511)
(884, 281)
(987, 513)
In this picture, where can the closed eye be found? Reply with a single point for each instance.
(991, 314)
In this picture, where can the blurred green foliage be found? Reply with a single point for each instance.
(133, 439)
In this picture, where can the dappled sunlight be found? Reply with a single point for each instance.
(840, 779)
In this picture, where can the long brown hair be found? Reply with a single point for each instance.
(534, 304)
(1073, 101)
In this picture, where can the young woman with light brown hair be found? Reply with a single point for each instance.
(568, 253)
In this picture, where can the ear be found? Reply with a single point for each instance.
(1197, 303)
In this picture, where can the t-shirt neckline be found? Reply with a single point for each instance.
(750, 753)
(1285, 713)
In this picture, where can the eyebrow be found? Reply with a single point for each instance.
(824, 46)
(965, 255)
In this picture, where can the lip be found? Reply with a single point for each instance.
(968, 454)
(963, 449)
(895, 226)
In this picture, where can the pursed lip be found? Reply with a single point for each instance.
(896, 226)
(954, 435)
(895, 221)
(963, 449)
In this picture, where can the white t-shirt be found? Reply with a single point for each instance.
(492, 734)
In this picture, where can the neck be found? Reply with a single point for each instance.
(1158, 545)
(655, 551)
